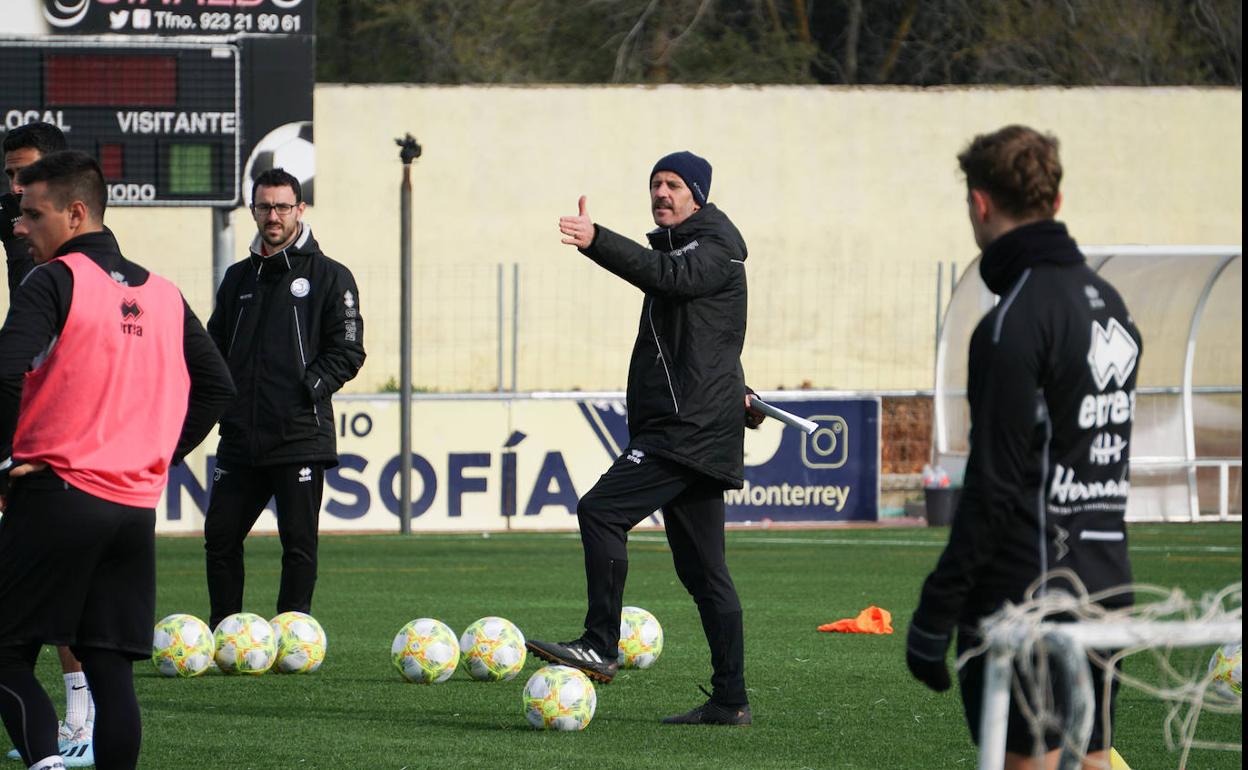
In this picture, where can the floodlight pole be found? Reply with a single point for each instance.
(409, 151)
(222, 245)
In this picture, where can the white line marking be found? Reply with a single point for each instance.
(747, 537)
(938, 543)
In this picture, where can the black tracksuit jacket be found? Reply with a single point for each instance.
(1051, 385)
(290, 328)
(686, 388)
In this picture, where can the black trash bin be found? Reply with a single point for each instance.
(939, 504)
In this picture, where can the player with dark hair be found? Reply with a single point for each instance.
(23, 146)
(1051, 384)
(106, 378)
(686, 421)
(288, 322)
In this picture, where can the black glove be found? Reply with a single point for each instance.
(753, 417)
(10, 212)
(925, 656)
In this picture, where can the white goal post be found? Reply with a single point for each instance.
(1069, 644)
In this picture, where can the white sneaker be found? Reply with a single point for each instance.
(75, 745)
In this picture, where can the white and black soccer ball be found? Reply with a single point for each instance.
(288, 147)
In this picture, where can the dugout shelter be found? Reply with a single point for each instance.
(1187, 441)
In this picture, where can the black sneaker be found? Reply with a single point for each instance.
(578, 655)
(712, 713)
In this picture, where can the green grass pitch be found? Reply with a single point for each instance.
(820, 700)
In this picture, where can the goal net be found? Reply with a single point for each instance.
(1040, 653)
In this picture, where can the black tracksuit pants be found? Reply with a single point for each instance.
(101, 602)
(634, 487)
(239, 494)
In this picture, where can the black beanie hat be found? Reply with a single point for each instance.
(694, 170)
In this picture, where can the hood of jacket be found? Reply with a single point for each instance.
(705, 221)
(303, 247)
(1031, 244)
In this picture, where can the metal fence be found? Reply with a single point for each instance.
(571, 326)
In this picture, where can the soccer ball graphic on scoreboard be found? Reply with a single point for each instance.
(182, 645)
(641, 638)
(492, 649)
(425, 651)
(301, 643)
(288, 147)
(559, 698)
(1224, 669)
(246, 644)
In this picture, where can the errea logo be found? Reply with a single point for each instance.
(130, 315)
(1111, 354)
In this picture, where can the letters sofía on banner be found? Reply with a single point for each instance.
(522, 465)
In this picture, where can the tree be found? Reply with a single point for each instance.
(903, 42)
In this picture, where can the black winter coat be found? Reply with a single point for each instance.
(686, 389)
(289, 326)
(1051, 384)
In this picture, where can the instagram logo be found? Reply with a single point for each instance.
(828, 446)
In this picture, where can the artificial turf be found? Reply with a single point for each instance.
(820, 700)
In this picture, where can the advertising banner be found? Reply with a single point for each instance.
(503, 464)
(176, 17)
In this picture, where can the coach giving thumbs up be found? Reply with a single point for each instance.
(685, 423)
(579, 229)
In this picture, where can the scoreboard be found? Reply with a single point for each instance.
(183, 102)
(162, 117)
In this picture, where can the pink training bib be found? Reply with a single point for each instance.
(105, 408)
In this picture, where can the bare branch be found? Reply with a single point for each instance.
(671, 46)
(803, 20)
(903, 31)
(621, 56)
(851, 41)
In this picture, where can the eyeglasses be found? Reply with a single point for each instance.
(282, 209)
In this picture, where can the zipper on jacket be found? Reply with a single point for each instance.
(655, 332)
(234, 334)
(302, 358)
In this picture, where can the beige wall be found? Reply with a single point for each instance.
(848, 199)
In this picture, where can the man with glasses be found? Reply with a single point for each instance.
(287, 320)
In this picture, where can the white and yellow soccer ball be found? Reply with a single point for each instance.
(1224, 668)
(425, 651)
(559, 698)
(246, 644)
(301, 643)
(182, 645)
(641, 638)
(492, 649)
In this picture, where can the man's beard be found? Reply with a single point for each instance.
(277, 237)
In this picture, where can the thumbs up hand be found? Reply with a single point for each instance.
(578, 229)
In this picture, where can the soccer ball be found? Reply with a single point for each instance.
(182, 645)
(301, 643)
(559, 698)
(1224, 671)
(287, 147)
(641, 638)
(425, 651)
(246, 644)
(492, 649)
